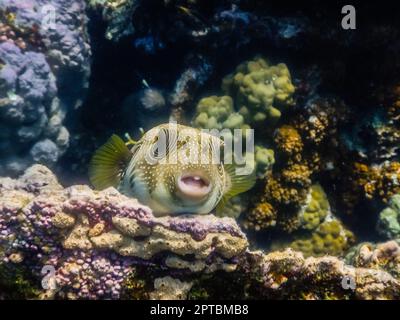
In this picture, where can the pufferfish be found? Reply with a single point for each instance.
(172, 169)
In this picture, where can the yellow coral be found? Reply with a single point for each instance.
(261, 90)
(288, 140)
(316, 210)
(297, 174)
(331, 237)
(261, 217)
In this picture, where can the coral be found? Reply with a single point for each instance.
(316, 210)
(261, 217)
(383, 256)
(22, 37)
(215, 112)
(105, 245)
(264, 158)
(389, 219)
(261, 90)
(168, 288)
(197, 70)
(288, 141)
(93, 239)
(66, 45)
(30, 111)
(330, 237)
(371, 183)
(40, 58)
(117, 14)
(288, 275)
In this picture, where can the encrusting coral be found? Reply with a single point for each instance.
(93, 239)
(381, 256)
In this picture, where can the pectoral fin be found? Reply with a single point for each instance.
(109, 163)
(236, 184)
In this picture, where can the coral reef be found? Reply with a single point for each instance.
(104, 245)
(43, 48)
(288, 275)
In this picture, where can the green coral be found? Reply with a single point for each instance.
(264, 158)
(389, 219)
(216, 112)
(330, 237)
(261, 90)
(316, 210)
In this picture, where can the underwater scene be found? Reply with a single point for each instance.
(199, 150)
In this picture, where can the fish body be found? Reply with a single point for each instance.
(173, 169)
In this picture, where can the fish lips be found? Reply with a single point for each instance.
(193, 186)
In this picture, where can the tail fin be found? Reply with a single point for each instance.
(109, 163)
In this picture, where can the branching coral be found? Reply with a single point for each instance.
(261, 91)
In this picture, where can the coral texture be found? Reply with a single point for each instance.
(261, 91)
(43, 48)
(93, 239)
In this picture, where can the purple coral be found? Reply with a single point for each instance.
(34, 97)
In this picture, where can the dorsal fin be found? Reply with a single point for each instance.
(109, 163)
(236, 184)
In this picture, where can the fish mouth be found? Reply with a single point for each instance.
(194, 185)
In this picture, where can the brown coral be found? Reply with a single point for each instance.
(288, 141)
(261, 217)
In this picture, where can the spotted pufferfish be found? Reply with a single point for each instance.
(182, 186)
